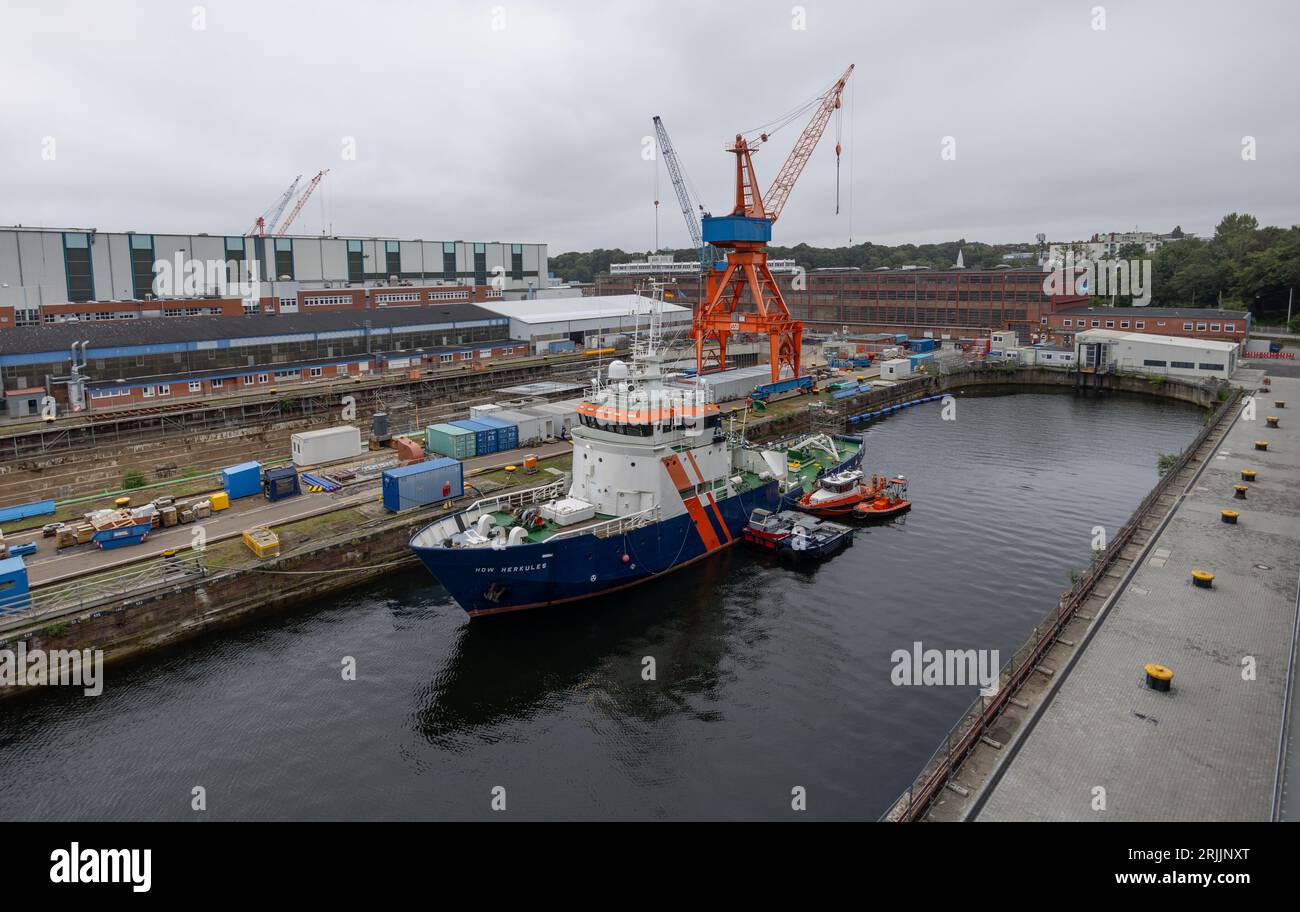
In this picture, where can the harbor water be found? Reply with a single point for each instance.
(765, 678)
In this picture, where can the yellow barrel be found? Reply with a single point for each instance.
(1240, 491)
(1229, 516)
(1279, 403)
(1203, 579)
(1247, 474)
(122, 502)
(1272, 421)
(1261, 444)
(1159, 677)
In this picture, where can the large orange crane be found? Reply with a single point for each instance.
(744, 234)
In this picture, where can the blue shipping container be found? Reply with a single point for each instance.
(243, 480)
(422, 484)
(507, 431)
(22, 511)
(485, 438)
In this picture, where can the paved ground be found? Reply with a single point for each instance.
(1209, 749)
(49, 566)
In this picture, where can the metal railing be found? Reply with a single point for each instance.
(984, 711)
(103, 589)
(617, 526)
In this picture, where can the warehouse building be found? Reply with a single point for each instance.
(149, 361)
(40, 266)
(1193, 322)
(564, 324)
(1100, 350)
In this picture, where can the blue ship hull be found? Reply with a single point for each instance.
(491, 581)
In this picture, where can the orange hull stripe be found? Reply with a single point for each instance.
(718, 513)
(699, 476)
(677, 473)
(702, 524)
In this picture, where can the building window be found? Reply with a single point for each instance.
(263, 378)
(1229, 327)
(1069, 322)
(1200, 327)
(164, 389)
(315, 371)
(449, 260)
(1123, 324)
(1150, 363)
(392, 258)
(249, 379)
(1184, 365)
(1210, 367)
(196, 386)
(356, 263)
(398, 297)
(1187, 327)
(444, 359)
(147, 392)
(142, 257)
(1110, 324)
(77, 267)
(218, 383)
(1096, 323)
(284, 258)
(1140, 324)
(480, 264)
(1214, 327)
(517, 264)
(327, 300)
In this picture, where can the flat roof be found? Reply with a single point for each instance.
(1154, 339)
(559, 310)
(54, 337)
(1191, 313)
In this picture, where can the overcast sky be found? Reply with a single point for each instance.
(518, 121)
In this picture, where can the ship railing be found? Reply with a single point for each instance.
(618, 526)
(441, 530)
(516, 499)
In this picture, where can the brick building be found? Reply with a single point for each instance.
(1197, 322)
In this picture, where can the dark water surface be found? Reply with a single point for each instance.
(768, 678)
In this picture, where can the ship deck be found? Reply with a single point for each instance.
(749, 482)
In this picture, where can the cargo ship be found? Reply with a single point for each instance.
(657, 483)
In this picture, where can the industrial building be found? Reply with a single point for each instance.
(1099, 350)
(114, 363)
(1195, 322)
(956, 303)
(40, 266)
(557, 324)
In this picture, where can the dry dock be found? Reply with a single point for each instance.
(1095, 742)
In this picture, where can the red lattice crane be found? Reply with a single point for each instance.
(744, 234)
(302, 201)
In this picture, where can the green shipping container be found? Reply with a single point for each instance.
(446, 440)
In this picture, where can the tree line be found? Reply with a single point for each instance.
(1241, 267)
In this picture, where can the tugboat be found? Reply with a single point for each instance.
(888, 503)
(796, 537)
(837, 493)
